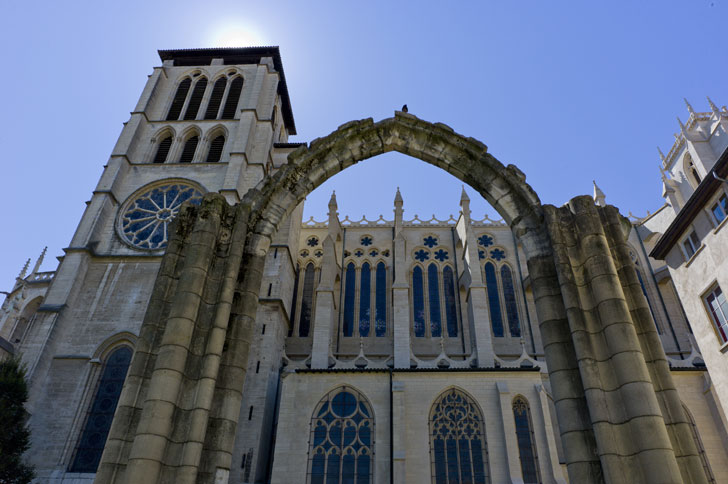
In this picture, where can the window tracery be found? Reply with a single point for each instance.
(146, 216)
(342, 439)
(458, 446)
(526, 441)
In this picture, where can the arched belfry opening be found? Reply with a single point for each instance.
(178, 411)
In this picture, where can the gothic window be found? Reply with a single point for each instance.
(526, 441)
(451, 316)
(295, 297)
(458, 448)
(213, 106)
(101, 413)
(509, 297)
(699, 446)
(193, 106)
(304, 322)
(380, 308)
(163, 149)
(342, 439)
(188, 152)
(215, 152)
(690, 171)
(365, 294)
(179, 99)
(418, 299)
(491, 283)
(145, 218)
(231, 103)
(434, 300)
(349, 297)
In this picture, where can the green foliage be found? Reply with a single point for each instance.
(14, 437)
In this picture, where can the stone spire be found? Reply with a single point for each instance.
(662, 155)
(713, 107)
(398, 211)
(683, 130)
(333, 206)
(690, 108)
(39, 261)
(465, 204)
(599, 197)
(24, 270)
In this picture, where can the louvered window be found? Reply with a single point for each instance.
(179, 100)
(215, 98)
(163, 150)
(189, 150)
(215, 152)
(196, 99)
(231, 103)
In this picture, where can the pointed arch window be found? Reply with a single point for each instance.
(458, 448)
(213, 106)
(365, 297)
(295, 299)
(491, 283)
(509, 298)
(101, 413)
(380, 311)
(188, 152)
(418, 301)
(163, 149)
(349, 296)
(342, 439)
(699, 445)
(215, 152)
(526, 441)
(451, 314)
(196, 99)
(304, 322)
(231, 103)
(179, 99)
(433, 287)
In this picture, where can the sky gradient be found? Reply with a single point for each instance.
(569, 92)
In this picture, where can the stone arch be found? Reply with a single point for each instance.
(504, 187)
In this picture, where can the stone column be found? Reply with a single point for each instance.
(399, 433)
(508, 424)
(323, 320)
(401, 306)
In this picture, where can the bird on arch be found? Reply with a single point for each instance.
(404, 109)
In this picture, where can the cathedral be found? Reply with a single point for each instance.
(198, 330)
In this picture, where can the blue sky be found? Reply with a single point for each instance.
(569, 92)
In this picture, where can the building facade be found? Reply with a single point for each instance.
(391, 350)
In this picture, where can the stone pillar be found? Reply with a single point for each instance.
(324, 316)
(399, 433)
(549, 457)
(618, 364)
(508, 423)
(401, 306)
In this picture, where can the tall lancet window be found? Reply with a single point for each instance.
(433, 287)
(213, 106)
(418, 300)
(231, 103)
(349, 298)
(491, 283)
(179, 100)
(196, 99)
(365, 300)
(526, 441)
(342, 439)
(458, 449)
(98, 421)
(380, 308)
(451, 314)
(509, 297)
(304, 322)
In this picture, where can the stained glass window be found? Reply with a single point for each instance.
(430, 241)
(509, 297)
(458, 448)
(441, 255)
(451, 315)
(498, 254)
(295, 298)
(485, 240)
(491, 283)
(366, 240)
(304, 322)
(342, 439)
(422, 255)
(98, 422)
(526, 441)
(365, 300)
(433, 288)
(349, 296)
(380, 315)
(418, 297)
(145, 219)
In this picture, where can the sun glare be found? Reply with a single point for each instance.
(236, 36)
